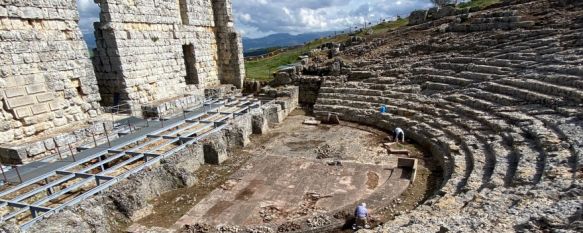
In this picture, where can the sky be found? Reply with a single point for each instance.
(258, 18)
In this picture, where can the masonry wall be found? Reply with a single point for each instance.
(140, 55)
(46, 78)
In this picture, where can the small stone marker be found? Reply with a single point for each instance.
(311, 121)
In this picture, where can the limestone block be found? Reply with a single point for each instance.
(272, 113)
(36, 148)
(20, 101)
(215, 148)
(49, 144)
(35, 88)
(14, 92)
(22, 112)
(40, 108)
(3, 11)
(30, 130)
(417, 17)
(238, 132)
(259, 121)
(6, 135)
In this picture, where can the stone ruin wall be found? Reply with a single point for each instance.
(49, 86)
(47, 81)
(141, 44)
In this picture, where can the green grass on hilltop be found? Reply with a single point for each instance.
(263, 69)
(478, 3)
(387, 26)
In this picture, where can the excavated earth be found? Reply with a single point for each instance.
(285, 176)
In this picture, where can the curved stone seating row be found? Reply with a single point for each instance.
(476, 161)
(502, 110)
(498, 123)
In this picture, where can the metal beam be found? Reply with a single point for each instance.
(175, 142)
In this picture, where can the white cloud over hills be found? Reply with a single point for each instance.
(257, 18)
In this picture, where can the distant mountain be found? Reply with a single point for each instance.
(250, 45)
(281, 40)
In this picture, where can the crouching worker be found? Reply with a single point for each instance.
(361, 217)
(399, 133)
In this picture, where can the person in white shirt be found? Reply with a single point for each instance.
(399, 133)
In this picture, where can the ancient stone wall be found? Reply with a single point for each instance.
(160, 50)
(46, 78)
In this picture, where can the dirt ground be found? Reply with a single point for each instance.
(346, 142)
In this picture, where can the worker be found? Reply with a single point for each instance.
(399, 133)
(361, 214)
(383, 109)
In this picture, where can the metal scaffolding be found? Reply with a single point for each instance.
(45, 188)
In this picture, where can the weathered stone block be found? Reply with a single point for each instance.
(44, 53)
(20, 101)
(259, 121)
(40, 108)
(417, 17)
(22, 112)
(14, 92)
(35, 88)
(272, 113)
(238, 132)
(215, 148)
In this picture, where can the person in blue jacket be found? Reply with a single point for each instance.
(361, 214)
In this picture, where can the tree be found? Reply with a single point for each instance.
(442, 3)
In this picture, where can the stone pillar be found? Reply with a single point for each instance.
(229, 45)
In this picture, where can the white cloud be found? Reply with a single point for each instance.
(256, 18)
(299, 16)
(245, 17)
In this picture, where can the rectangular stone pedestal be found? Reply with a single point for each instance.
(172, 107)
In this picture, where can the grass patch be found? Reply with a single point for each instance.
(262, 70)
(477, 3)
(387, 26)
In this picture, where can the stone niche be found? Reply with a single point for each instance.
(157, 51)
(47, 82)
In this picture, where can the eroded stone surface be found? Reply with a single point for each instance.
(494, 95)
(47, 82)
(157, 50)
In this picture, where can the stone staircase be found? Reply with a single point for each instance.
(503, 116)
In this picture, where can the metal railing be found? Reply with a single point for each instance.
(96, 169)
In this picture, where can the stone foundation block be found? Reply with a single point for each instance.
(215, 148)
(238, 132)
(172, 107)
(259, 123)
